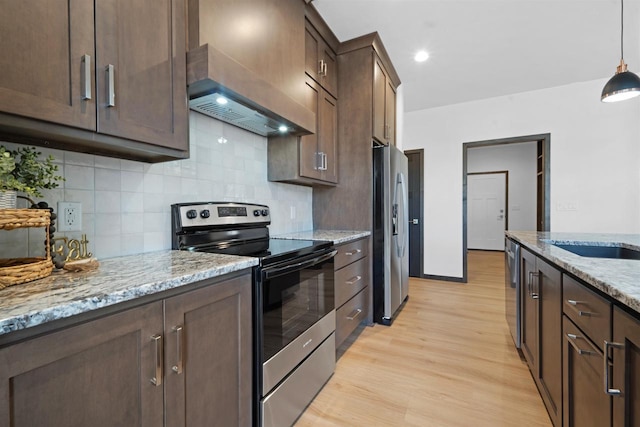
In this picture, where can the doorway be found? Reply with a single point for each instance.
(543, 182)
(487, 214)
(416, 214)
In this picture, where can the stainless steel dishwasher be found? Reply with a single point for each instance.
(513, 303)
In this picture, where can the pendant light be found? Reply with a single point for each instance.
(624, 84)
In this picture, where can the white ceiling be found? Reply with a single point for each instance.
(486, 48)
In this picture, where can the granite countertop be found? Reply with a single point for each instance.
(335, 236)
(618, 278)
(65, 294)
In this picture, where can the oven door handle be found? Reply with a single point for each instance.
(270, 273)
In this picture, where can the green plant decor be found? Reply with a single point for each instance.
(20, 170)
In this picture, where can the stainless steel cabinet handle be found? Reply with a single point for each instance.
(573, 304)
(111, 90)
(318, 163)
(357, 251)
(86, 77)
(606, 365)
(177, 368)
(530, 277)
(353, 280)
(324, 69)
(536, 295)
(572, 340)
(326, 162)
(321, 67)
(355, 314)
(157, 379)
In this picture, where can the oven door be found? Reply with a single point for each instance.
(297, 301)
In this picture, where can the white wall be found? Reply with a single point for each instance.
(520, 161)
(126, 204)
(595, 161)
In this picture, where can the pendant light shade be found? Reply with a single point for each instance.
(624, 84)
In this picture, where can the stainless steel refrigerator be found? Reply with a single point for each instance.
(390, 233)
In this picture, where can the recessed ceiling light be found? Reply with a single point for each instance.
(421, 56)
(283, 128)
(221, 100)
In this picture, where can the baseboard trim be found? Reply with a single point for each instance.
(444, 278)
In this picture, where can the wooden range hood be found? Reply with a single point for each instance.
(252, 53)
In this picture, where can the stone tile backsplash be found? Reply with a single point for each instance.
(126, 204)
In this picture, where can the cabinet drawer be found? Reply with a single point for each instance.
(589, 311)
(350, 280)
(349, 316)
(350, 252)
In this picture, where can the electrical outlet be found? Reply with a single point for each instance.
(69, 216)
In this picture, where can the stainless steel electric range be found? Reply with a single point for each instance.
(293, 302)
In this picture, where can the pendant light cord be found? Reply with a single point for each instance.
(622, 30)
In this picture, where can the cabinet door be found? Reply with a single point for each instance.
(42, 71)
(320, 61)
(309, 156)
(390, 113)
(95, 374)
(330, 73)
(550, 338)
(584, 403)
(529, 311)
(328, 136)
(208, 356)
(312, 46)
(626, 369)
(141, 70)
(379, 102)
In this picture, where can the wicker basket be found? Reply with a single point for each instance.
(21, 270)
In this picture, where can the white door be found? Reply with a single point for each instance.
(486, 211)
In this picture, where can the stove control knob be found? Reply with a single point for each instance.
(205, 213)
(256, 213)
(265, 212)
(191, 213)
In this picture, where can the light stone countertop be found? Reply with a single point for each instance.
(618, 278)
(65, 294)
(336, 236)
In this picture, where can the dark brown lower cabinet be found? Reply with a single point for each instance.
(186, 358)
(626, 369)
(96, 374)
(208, 356)
(542, 329)
(584, 402)
(351, 287)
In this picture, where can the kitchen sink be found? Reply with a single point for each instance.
(616, 252)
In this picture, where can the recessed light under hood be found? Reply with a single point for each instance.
(238, 114)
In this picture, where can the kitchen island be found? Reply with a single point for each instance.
(580, 324)
(617, 278)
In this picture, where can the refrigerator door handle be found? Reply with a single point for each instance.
(405, 215)
(401, 244)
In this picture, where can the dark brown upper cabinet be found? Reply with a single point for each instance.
(309, 159)
(47, 68)
(320, 60)
(104, 77)
(384, 105)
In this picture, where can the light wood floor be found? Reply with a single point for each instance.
(447, 360)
